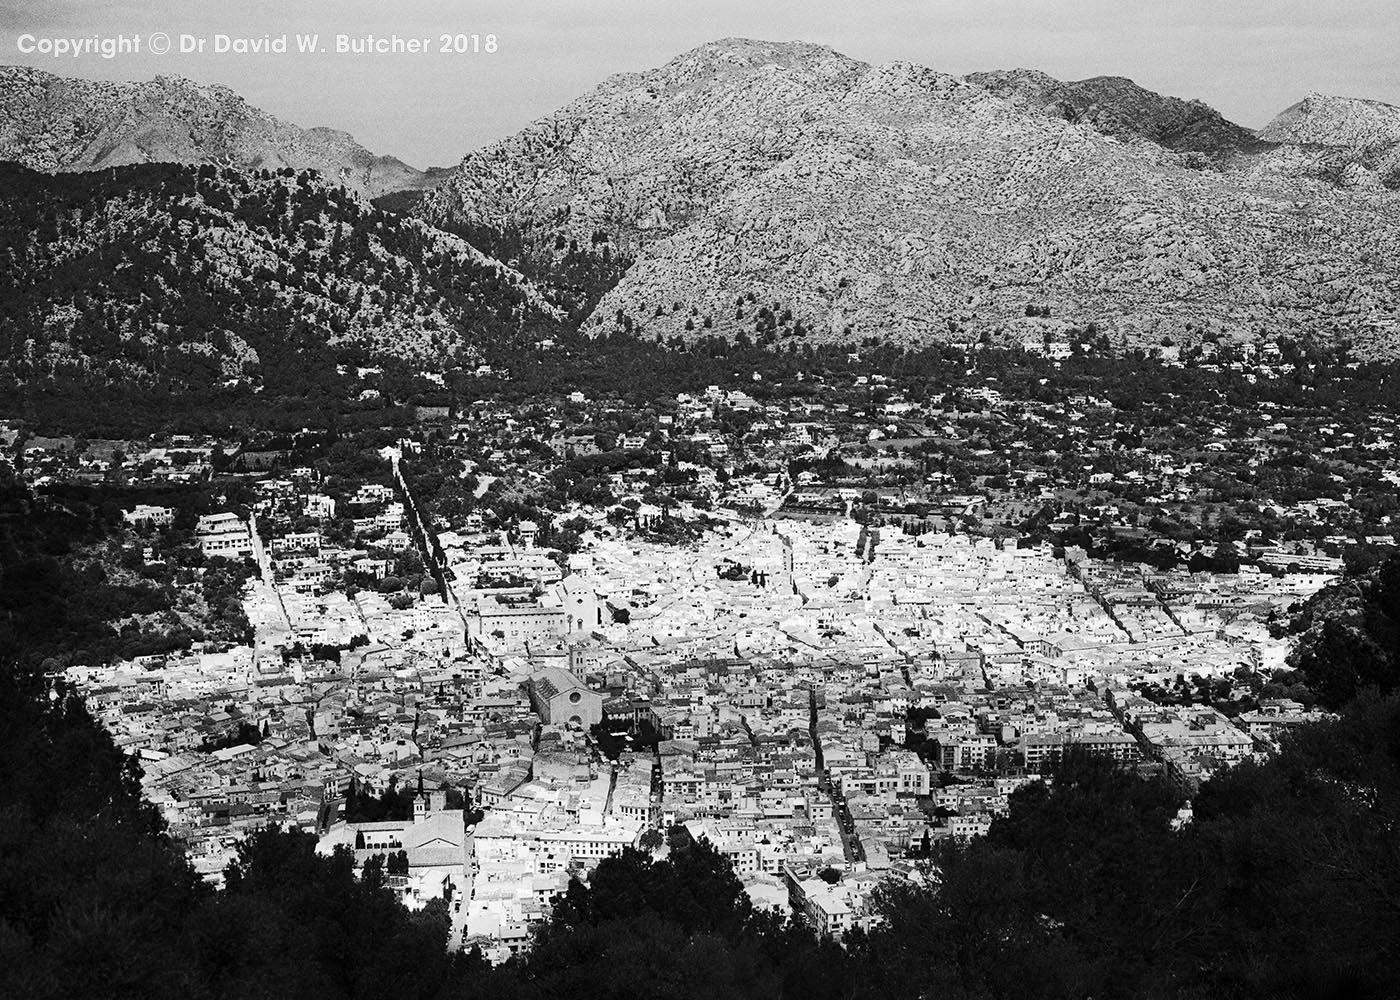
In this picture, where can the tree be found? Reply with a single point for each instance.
(651, 840)
(372, 871)
(1349, 636)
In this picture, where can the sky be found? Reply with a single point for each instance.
(1249, 59)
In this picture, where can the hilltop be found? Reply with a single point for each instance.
(54, 123)
(1360, 136)
(784, 191)
(1335, 121)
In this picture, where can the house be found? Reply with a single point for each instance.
(147, 514)
(319, 506)
(224, 535)
(826, 907)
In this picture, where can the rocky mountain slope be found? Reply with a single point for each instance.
(54, 123)
(646, 153)
(194, 277)
(1119, 107)
(1335, 121)
(787, 192)
(1364, 135)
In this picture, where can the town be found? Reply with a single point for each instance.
(821, 621)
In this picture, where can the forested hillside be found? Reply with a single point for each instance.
(575, 273)
(194, 277)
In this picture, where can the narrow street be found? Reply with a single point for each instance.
(845, 825)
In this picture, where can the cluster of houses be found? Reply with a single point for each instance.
(834, 671)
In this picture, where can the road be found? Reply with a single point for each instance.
(272, 626)
(845, 825)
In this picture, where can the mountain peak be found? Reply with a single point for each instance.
(1109, 80)
(743, 56)
(749, 51)
(786, 192)
(1326, 120)
(54, 123)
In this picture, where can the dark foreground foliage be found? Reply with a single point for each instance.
(1285, 884)
(1349, 635)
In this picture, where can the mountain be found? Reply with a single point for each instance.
(1321, 120)
(1364, 136)
(784, 191)
(195, 277)
(645, 154)
(1118, 107)
(637, 159)
(54, 123)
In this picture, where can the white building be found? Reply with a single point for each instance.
(224, 535)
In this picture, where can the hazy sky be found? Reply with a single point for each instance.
(1248, 58)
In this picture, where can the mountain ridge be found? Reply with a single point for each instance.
(1118, 106)
(785, 192)
(752, 180)
(1330, 120)
(1358, 135)
(65, 124)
